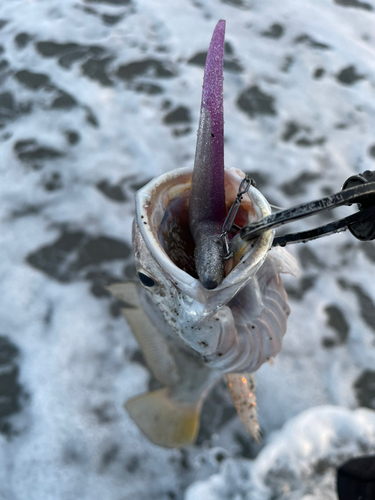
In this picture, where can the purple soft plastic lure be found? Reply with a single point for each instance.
(207, 198)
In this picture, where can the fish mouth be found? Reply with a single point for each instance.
(162, 215)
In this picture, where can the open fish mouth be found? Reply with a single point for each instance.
(162, 215)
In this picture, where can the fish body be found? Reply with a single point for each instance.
(191, 336)
(197, 315)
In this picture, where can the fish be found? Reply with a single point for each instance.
(197, 315)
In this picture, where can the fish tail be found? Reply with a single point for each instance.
(164, 420)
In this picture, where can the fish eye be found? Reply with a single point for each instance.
(146, 280)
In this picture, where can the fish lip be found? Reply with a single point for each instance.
(149, 213)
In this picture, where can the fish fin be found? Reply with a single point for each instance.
(154, 346)
(242, 390)
(165, 421)
(127, 292)
(283, 261)
(260, 312)
(152, 343)
(255, 332)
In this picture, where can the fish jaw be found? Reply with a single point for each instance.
(207, 197)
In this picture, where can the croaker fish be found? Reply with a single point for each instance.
(195, 315)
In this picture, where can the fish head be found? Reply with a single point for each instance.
(164, 249)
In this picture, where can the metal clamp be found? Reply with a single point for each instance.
(232, 213)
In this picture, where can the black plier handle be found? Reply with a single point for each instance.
(358, 189)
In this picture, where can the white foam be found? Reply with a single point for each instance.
(75, 440)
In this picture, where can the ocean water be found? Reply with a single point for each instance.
(96, 98)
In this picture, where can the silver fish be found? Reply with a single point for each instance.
(194, 315)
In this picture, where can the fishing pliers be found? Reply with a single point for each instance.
(358, 189)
